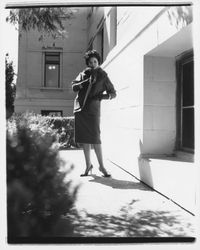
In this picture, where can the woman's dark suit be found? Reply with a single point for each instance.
(90, 86)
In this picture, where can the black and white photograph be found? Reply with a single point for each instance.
(100, 123)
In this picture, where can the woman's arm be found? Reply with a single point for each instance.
(110, 90)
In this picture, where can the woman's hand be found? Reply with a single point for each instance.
(107, 96)
(112, 95)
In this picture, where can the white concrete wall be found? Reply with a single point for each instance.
(146, 84)
(31, 93)
(122, 120)
(142, 119)
(159, 105)
(132, 20)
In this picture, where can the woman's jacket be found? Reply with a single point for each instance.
(90, 85)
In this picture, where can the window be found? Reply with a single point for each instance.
(113, 28)
(52, 69)
(52, 112)
(105, 39)
(100, 43)
(185, 109)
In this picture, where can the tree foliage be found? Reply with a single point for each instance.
(180, 16)
(10, 86)
(45, 20)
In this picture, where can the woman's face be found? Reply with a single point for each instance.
(93, 63)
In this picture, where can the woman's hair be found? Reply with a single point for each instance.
(92, 53)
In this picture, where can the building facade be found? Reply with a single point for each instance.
(46, 68)
(148, 54)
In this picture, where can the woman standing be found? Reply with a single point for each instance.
(90, 85)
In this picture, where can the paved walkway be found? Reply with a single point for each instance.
(121, 206)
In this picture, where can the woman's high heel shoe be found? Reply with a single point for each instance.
(87, 171)
(105, 174)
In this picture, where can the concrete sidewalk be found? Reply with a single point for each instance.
(121, 206)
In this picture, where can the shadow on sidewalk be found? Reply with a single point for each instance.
(131, 223)
(119, 184)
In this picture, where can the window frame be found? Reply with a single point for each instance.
(46, 53)
(180, 61)
(101, 34)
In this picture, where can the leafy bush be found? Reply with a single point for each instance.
(60, 127)
(65, 130)
(10, 86)
(38, 194)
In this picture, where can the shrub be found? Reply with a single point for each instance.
(38, 194)
(65, 130)
(60, 127)
(10, 86)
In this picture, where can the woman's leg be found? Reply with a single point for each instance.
(99, 154)
(87, 151)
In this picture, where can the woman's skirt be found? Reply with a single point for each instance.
(87, 128)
